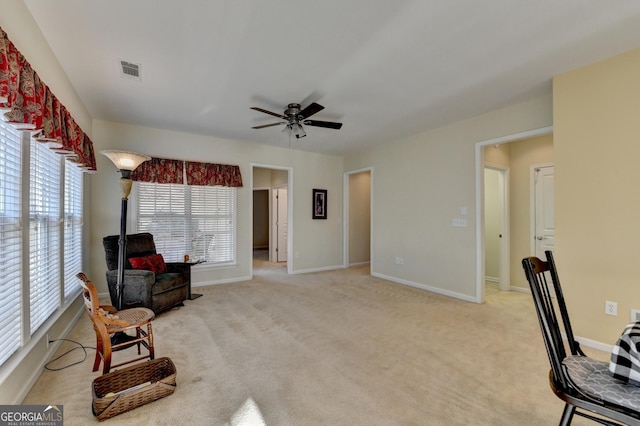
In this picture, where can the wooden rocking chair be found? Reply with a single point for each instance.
(107, 321)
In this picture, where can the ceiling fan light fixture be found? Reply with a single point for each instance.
(295, 117)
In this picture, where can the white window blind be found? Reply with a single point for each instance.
(44, 233)
(10, 240)
(72, 228)
(196, 220)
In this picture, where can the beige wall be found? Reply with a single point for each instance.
(359, 218)
(421, 183)
(497, 155)
(597, 147)
(261, 177)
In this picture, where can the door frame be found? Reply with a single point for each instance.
(345, 215)
(289, 187)
(479, 164)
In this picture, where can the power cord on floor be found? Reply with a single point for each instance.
(80, 346)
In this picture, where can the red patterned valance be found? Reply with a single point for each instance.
(159, 170)
(30, 105)
(206, 174)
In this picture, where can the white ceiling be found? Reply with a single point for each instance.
(386, 69)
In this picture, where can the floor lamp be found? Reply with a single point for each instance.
(125, 162)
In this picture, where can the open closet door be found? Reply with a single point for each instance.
(280, 226)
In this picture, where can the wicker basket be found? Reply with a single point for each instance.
(123, 390)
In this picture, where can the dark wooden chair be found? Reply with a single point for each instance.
(583, 383)
(107, 322)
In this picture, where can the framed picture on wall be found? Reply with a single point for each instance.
(319, 204)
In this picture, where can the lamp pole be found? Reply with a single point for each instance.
(125, 184)
(125, 162)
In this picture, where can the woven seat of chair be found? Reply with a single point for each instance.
(134, 316)
(593, 378)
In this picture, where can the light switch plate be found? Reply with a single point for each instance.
(459, 222)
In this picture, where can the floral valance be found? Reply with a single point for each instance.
(29, 104)
(206, 174)
(161, 170)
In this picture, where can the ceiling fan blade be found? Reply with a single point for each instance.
(311, 109)
(275, 114)
(327, 124)
(267, 125)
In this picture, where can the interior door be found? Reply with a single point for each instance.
(281, 224)
(544, 236)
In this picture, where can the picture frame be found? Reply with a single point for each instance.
(319, 203)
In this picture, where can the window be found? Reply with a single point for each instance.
(39, 192)
(10, 240)
(196, 220)
(73, 177)
(44, 233)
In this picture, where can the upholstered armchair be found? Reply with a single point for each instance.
(142, 287)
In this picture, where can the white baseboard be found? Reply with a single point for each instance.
(520, 289)
(437, 290)
(325, 268)
(594, 344)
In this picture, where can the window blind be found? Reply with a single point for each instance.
(44, 233)
(10, 240)
(72, 228)
(196, 220)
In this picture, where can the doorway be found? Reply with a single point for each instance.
(357, 202)
(517, 242)
(272, 210)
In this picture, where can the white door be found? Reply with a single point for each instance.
(496, 209)
(281, 225)
(544, 235)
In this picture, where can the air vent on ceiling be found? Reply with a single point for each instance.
(130, 70)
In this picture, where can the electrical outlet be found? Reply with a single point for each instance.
(635, 315)
(611, 308)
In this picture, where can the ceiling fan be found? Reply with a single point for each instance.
(294, 117)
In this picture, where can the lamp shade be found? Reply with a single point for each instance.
(125, 160)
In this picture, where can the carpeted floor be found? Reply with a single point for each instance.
(333, 348)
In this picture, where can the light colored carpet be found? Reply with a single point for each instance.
(333, 348)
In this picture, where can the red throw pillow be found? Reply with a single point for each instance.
(154, 263)
(139, 263)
